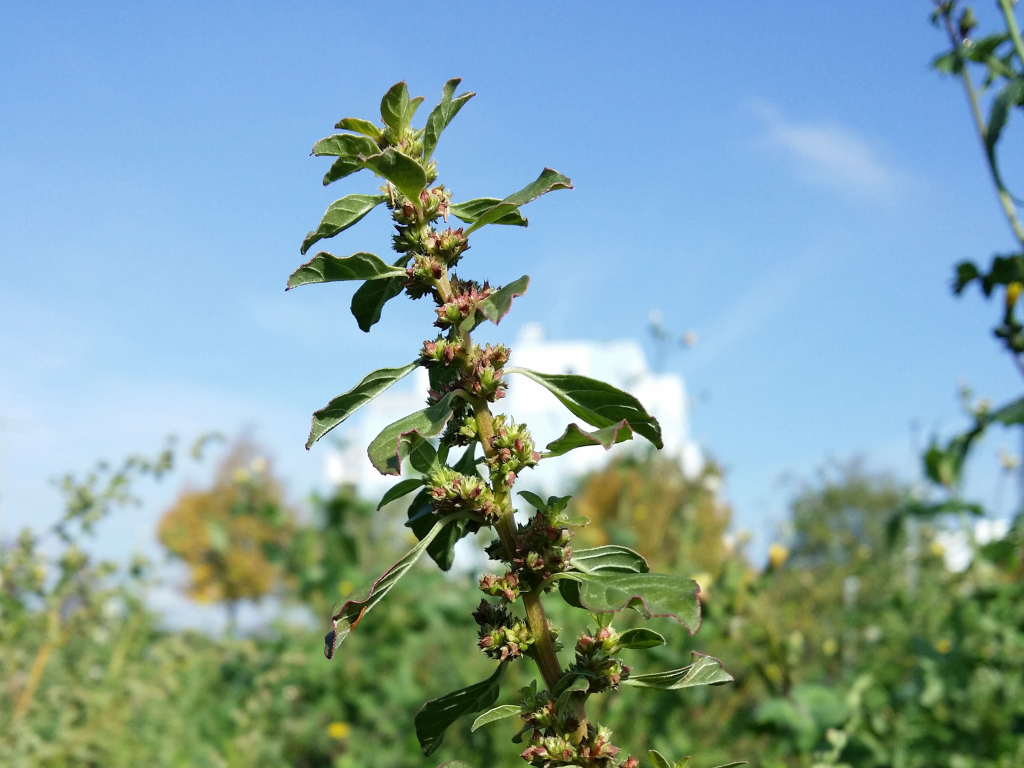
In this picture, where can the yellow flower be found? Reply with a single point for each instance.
(944, 645)
(338, 730)
(777, 555)
(1012, 294)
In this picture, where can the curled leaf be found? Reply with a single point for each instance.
(640, 639)
(345, 619)
(387, 448)
(609, 557)
(496, 305)
(574, 437)
(498, 713)
(705, 670)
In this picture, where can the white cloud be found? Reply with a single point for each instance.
(827, 154)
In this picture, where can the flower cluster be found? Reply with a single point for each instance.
(502, 636)
(513, 449)
(467, 294)
(447, 246)
(541, 550)
(595, 658)
(505, 587)
(451, 491)
(594, 750)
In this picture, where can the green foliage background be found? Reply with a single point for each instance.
(861, 648)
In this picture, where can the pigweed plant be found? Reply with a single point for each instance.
(460, 496)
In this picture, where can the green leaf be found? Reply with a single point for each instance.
(370, 298)
(414, 104)
(394, 106)
(422, 456)
(386, 449)
(498, 713)
(705, 670)
(471, 210)
(534, 500)
(400, 489)
(597, 403)
(728, 765)
(1010, 96)
(684, 762)
(466, 465)
(341, 215)
(612, 558)
(434, 717)
(653, 594)
(443, 114)
(341, 168)
(640, 638)
(343, 406)
(401, 170)
(347, 149)
(578, 685)
(966, 273)
(345, 145)
(574, 437)
(347, 618)
(495, 306)
(548, 181)
(442, 548)
(327, 268)
(658, 760)
(355, 124)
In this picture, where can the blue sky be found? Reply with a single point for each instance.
(788, 180)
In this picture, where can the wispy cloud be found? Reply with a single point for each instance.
(750, 311)
(830, 155)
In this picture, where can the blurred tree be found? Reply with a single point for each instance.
(646, 502)
(233, 536)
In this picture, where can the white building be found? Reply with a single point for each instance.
(620, 363)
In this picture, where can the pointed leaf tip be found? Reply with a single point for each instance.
(344, 405)
(327, 268)
(434, 717)
(597, 403)
(387, 449)
(340, 215)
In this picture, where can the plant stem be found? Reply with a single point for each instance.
(1011, 25)
(979, 121)
(546, 658)
(35, 675)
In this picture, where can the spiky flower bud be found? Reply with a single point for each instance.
(440, 351)
(513, 449)
(452, 491)
(505, 587)
(502, 636)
